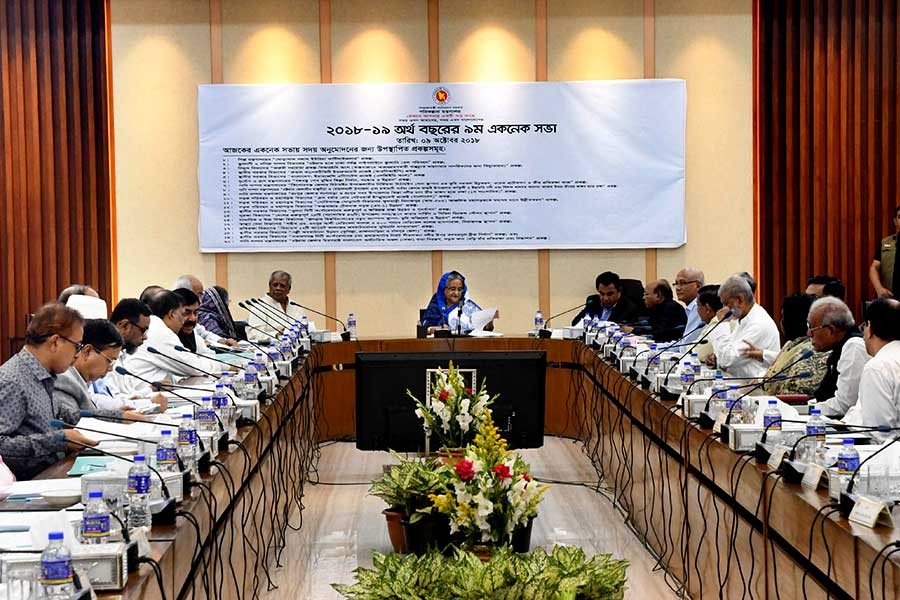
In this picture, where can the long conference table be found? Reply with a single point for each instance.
(721, 525)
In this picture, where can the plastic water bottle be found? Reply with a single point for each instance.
(225, 409)
(304, 326)
(250, 383)
(848, 462)
(139, 494)
(538, 320)
(814, 446)
(653, 362)
(294, 333)
(166, 453)
(95, 520)
(696, 364)
(626, 348)
(586, 322)
(810, 405)
(286, 348)
(351, 325)
(206, 415)
(595, 323)
(686, 374)
(187, 442)
(56, 569)
(273, 352)
(772, 420)
(225, 378)
(734, 403)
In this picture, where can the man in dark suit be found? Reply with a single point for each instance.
(608, 303)
(667, 317)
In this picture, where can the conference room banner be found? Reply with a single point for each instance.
(591, 164)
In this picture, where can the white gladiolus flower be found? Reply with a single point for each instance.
(464, 421)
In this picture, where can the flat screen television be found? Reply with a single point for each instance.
(385, 417)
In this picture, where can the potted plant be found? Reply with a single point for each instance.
(406, 488)
(454, 412)
(489, 497)
(566, 573)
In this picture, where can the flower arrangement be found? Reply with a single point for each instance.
(455, 412)
(489, 494)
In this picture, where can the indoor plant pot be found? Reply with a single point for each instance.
(429, 531)
(394, 520)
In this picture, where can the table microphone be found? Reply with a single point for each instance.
(459, 315)
(312, 310)
(183, 349)
(164, 515)
(261, 316)
(801, 375)
(153, 350)
(703, 337)
(847, 501)
(546, 329)
(281, 316)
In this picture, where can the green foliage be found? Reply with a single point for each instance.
(406, 486)
(564, 574)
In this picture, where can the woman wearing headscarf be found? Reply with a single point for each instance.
(444, 309)
(214, 314)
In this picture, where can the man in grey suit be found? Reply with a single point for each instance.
(72, 389)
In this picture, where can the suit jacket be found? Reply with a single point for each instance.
(71, 395)
(625, 311)
(666, 322)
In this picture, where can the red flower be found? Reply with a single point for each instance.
(503, 471)
(526, 477)
(469, 391)
(443, 396)
(465, 469)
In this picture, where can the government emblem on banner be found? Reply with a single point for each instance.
(441, 95)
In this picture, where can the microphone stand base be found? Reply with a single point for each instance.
(847, 502)
(791, 472)
(705, 421)
(164, 513)
(203, 462)
(544, 333)
(222, 442)
(131, 553)
(761, 453)
(345, 336)
(723, 433)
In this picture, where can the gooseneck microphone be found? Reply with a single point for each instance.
(802, 375)
(183, 349)
(273, 313)
(547, 322)
(57, 424)
(321, 314)
(153, 350)
(261, 316)
(703, 337)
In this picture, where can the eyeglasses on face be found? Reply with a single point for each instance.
(143, 330)
(684, 282)
(78, 345)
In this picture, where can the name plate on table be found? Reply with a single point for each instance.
(812, 476)
(720, 420)
(869, 512)
(776, 457)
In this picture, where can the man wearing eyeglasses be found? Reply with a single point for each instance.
(131, 318)
(688, 282)
(28, 443)
(832, 328)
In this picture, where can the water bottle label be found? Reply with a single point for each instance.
(697, 369)
(95, 527)
(772, 421)
(220, 401)
(734, 404)
(139, 484)
(206, 415)
(847, 465)
(166, 456)
(687, 377)
(250, 378)
(820, 433)
(56, 572)
(187, 437)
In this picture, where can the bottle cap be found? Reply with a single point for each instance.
(95, 494)
(205, 398)
(55, 535)
(773, 402)
(139, 458)
(815, 411)
(187, 416)
(165, 432)
(848, 442)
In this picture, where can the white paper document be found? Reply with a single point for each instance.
(482, 318)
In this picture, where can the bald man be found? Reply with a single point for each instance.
(688, 282)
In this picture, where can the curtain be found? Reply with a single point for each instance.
(825, 141)
(55, 200)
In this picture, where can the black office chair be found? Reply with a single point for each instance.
(633, 289)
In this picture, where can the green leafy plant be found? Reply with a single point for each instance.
(406, 486)
(566, 573)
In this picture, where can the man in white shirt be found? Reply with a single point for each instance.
(832, 328)
(190, 282)
(753, 326)
(267, 323)
(688, 282)
(166, 364)
(188, 334)
(120, 392)
(879, 386)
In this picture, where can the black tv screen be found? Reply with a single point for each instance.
(385, 417)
